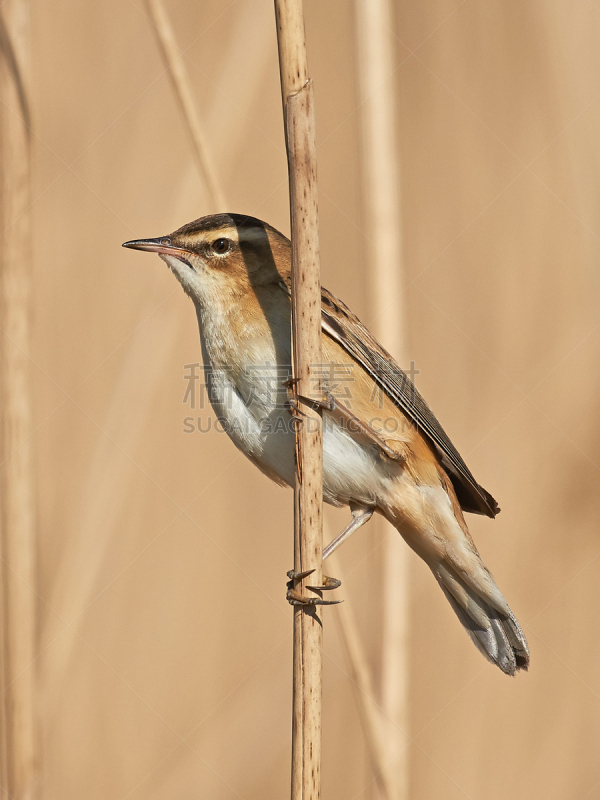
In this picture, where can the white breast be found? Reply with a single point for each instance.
(249, 397)
(262, 429)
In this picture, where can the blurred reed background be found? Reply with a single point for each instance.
(161, 661)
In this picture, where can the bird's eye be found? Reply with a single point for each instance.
(221, 246)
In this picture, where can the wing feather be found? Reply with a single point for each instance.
(347, 330)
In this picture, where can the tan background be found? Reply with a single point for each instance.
(165, 640)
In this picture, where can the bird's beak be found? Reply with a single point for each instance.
(162, 245)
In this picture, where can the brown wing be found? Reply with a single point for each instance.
(345, 328)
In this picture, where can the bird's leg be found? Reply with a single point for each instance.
(294, 597)
(360, 515)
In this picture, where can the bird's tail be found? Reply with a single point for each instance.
(438, 533)
(485, 616)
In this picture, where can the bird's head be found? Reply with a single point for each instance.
(221, 256)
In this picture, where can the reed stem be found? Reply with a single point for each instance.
(298, 106)
(17, 543)
(382, 200)
(373, 722)
(180, 79)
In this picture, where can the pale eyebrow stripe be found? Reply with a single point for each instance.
(237, 234)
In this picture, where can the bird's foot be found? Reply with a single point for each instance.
(293, 407)
(292, 404)
(295, 598)
(325, 402)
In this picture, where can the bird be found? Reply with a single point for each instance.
(383, 449)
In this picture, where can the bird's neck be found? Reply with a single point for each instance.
(246, 330)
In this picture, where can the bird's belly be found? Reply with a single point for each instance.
(258, 424)
(351, 472)
(263, 431)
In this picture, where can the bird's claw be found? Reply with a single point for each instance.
(292, 406)
(294, 598)
(325, 402)
(297, 576)
(328, 583)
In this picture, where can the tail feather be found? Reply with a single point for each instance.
(431, 522)
(496, 634)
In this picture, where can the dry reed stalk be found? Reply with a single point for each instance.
(383, 214)
(18, 612)
(109, 474)
(371, 717)
(180, 79)
(107, 486)
(298, 106)
(244, 67)
(227, 120)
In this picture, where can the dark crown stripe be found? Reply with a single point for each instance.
(216, 222)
